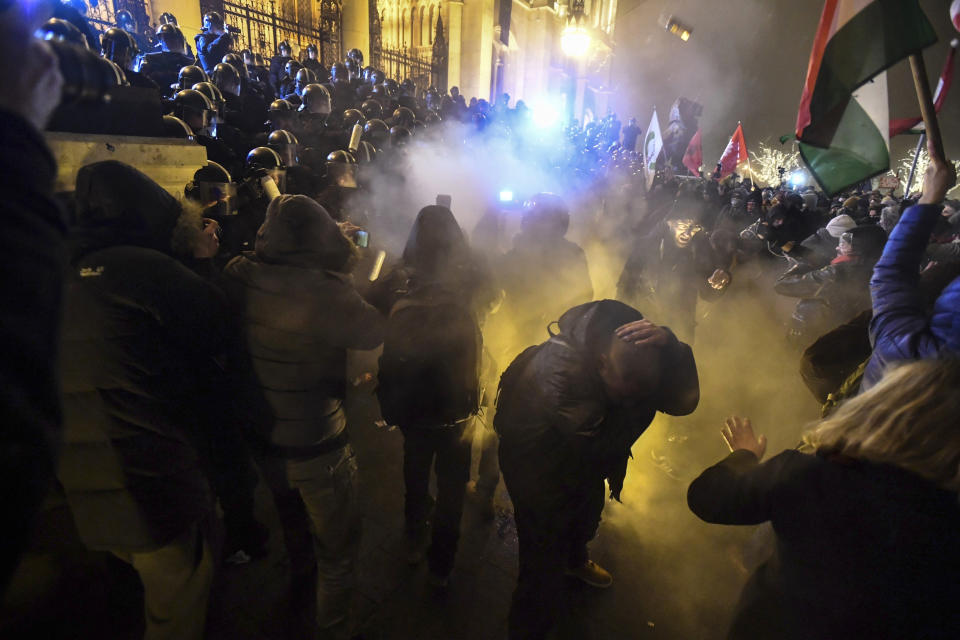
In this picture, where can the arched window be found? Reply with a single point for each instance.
(431, 27)
(399, 28)
(422, 40)
(413, 22)
(415, 28)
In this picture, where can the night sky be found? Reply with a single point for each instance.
(747, 60)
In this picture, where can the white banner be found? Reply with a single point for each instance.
(652, 145)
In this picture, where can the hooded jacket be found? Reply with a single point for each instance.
(141, 333)
(557, 426)
(902, 328)
(300, 314)
(437, 255)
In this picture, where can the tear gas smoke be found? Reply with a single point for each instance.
(745, 365)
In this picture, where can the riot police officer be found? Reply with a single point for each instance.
(119, 47)
(278, 65)
(214, 42)
(163, 67)
(312, 62)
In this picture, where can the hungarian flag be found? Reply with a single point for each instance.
(735, 154)
(844, 120)
(693, 156)
(652, 145)
(906, 125)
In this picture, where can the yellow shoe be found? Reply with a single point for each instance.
(593, 574)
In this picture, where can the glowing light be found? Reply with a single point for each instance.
(575, 41)
(797, 179)
(506, 196)
(545, 114)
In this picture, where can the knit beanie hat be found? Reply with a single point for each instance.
(841, 224)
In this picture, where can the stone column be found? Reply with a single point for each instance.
(477, 49)
(454, 24)
(356, 26)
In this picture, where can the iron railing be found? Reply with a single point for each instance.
(425, 67)
(256, 26)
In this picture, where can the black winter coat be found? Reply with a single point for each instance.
(829, 296)
(30, 312)
(299, 318)
(664, 280)
(862, 550)
(164, 68)
(140, 338)
(557, 427)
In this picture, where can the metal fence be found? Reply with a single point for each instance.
(102, 14)
(257, 26)
(425, 68)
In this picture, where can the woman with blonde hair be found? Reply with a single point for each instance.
(866, 527)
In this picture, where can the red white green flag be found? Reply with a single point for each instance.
(844, 121)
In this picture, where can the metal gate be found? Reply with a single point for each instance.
(424, 71)
(331, 27)
(102, 14)
(257, 26)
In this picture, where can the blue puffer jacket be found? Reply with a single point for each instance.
(901, 328)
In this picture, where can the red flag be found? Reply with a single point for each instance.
(735, 153)
(902, 125)
(693, 157)
(955, 14)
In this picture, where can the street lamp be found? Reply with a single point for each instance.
(575, 39)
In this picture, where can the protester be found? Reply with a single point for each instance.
(902, 327)
(864, 526)
(542, 254)
(671, 268)
(300, 316)
(430, 375)
(833, 294)
(143, 334)
(30, 410)
(178, 372)
(568, 412)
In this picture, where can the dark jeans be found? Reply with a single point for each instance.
(318, 502)
(552, 539)
(448, 451)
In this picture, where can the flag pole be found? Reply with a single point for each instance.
(753, 176)
(922, 85)
(913, 166)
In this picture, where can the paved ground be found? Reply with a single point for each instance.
(675, 577)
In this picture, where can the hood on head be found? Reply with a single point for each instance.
(435, 241)
(590, 326)
(298, 231)
(118, 205)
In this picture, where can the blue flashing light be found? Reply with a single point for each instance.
(797, 179)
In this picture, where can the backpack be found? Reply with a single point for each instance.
(431, 362)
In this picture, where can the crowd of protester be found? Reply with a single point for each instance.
(205, 341)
